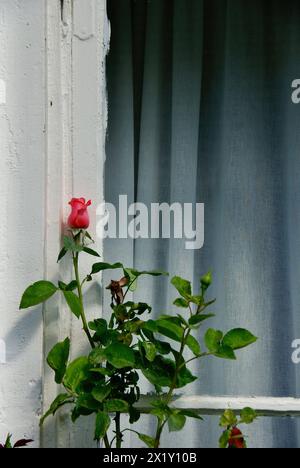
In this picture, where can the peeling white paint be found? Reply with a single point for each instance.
(22, 193)
(2, 352)
(75, 145)
(53, 116)
(2, 92)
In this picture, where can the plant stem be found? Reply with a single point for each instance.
(119, 436)
(169, 396)
(106, 442)
(80, 295)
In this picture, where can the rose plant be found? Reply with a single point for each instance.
(232, 437)
(105, 382)
(19, 444)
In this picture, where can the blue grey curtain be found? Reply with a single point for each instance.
(200, 110)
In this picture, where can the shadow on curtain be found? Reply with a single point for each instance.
(200, 110)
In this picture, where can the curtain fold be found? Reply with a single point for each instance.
(200, 111)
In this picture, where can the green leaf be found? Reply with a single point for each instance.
(37, 293)
(132, 275)
(102, 371)
(116, 406)
(225, 352)
(162, 347)
(70, 245)
(180, 302)
(61, 254)
(58, 359)
(73, 302)
(71, 286)
(160, 372)
(87, 401)
(98, 267)
(248, 415)
(97, 356)
(132, 279)
(228, 419)
(151, 326)
(91, 252)
(59, 401)
(150, 351)
(224, 439)
(136, 273)
(183, 286)
(88, 236)
(149, 441)
(191, 414)
(213, 340)
(134, 415)
(198, 300)
(120, 355)
(239, 338)
(100, 393)
(185, 377)
(80, 411)
(7, 443)
(194, 346)
(176, 422)
(99, 325)
(77, 372)
(159, 413)
(197, 319)
(169, 329)
(102, 425)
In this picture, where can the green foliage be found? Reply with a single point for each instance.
(120, 356)
(239, 338)
(232, 437)
(102, 425)
(37, 293)
(228, 419)
(176, 421)
(130, 344)
(115, 406)
(73, 302)
(183, 286)
(59, 401)
(77, 372)
(248, 416)
(58, 358)
(224, 346)
(149, 441)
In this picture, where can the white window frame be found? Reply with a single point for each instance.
(77, 39)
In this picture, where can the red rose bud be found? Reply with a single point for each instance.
(79, 217)
(236, 440)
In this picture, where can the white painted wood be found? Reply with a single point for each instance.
(77, 39)
(210, 405)
(2, 92)
(22, 227)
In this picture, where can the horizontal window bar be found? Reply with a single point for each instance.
(210, 405)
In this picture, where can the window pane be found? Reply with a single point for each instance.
(200, 111)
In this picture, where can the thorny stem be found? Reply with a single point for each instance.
(106, 442)
(80, 295)
(169, 396)
(119, 436)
